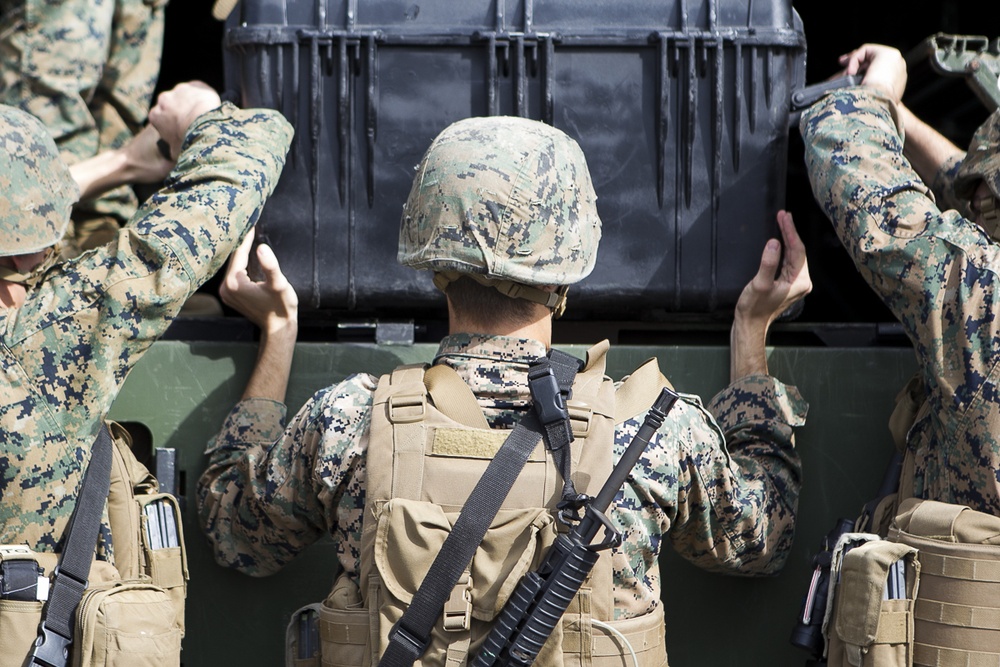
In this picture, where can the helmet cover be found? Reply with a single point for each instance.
(38, 189)
(505, 197)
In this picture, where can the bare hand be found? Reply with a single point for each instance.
(765, 297)
(883, 66)
(271, 303)
(177, 108)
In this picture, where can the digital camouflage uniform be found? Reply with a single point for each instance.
(87, 70)
(935, 270)
(65, 353)
(725, 496)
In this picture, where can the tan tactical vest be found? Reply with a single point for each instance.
(429, 445)
(948, 612)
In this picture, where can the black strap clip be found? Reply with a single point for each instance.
(572, 507)
(409, 642)
(51, 649)
(549, 402)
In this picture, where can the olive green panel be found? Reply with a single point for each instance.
(182, 391)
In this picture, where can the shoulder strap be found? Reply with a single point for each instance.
(453, 397)
(56, 629)
(409, 637)
(638, 391)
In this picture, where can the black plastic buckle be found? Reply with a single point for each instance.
(51, 649)
(408, 642)
(550, 404)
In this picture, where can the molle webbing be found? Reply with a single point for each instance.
(957, 609)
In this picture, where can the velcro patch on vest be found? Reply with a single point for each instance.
(467, 443)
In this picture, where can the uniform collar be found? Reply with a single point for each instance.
(504, 349)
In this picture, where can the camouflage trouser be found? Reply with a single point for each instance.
(87, 69)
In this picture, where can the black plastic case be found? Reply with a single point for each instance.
(680, 106)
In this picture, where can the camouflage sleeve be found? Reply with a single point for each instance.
(229, 164)
(739, 478)
(268, 492)
(933, 269)
(92, 318)
(943, 187)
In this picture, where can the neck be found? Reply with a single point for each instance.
(539, 329)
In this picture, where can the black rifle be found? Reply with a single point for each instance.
(542, 597)
(808, 631)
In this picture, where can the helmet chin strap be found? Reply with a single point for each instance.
(555, 300)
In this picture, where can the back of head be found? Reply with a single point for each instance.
(982, 162)
(38, 189)
(506, 201)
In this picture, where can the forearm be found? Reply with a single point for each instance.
(229, 166)
(105, 171)
(269, 378)
(747, 348)
(927, 150)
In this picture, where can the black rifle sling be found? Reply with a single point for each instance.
(58, 620)
(410, 636)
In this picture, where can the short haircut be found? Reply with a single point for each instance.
(486, 305)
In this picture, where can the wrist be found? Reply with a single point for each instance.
(748, 341)
(751, 326)
(280, 329)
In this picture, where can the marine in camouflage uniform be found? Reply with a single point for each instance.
(935, 269)
(87, 70)
(510, 201)
(83, 324)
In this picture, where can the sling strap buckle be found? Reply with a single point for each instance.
(458, 608)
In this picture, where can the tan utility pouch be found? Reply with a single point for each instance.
(872, 622)
(957, 610)
(302, 637)
(126, 624)
(524, 534)
(146, 526)
(19, 618)
(132, 612)
(118, 623)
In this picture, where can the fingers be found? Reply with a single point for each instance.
(795, 269)
(884, 68)
(240, 258)
(855, 61)
(270, 267)
(795, 250)
(860, 58)
(178, 107)
(769, 260)
(268, 261)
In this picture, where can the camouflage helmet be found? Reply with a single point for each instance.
(38, 190)
(982, 162)
(507, 201)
